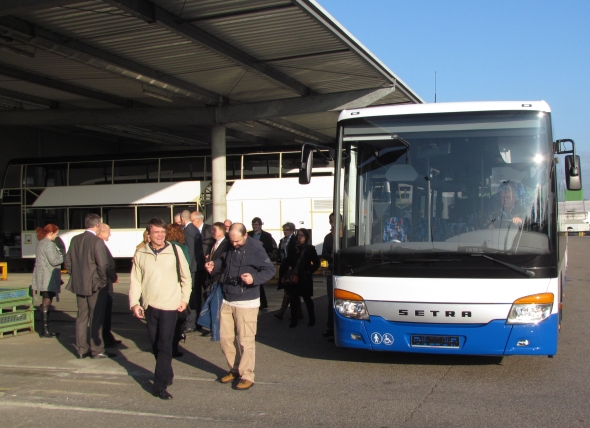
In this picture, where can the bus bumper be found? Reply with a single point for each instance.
(494, 338)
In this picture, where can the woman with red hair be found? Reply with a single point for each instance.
(47, 274)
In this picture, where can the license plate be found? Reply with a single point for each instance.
(435, 341)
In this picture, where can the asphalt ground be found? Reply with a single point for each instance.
(301, 378)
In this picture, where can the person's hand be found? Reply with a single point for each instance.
(209, 266)
(517, 221)
(116, 281)
(138, 312)
(247, 278)
(182, 307)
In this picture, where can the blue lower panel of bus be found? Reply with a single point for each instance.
(494, 338)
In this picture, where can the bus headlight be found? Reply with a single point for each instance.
(350, 305)
(531, 309)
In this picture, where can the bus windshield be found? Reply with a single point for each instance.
(452, 183)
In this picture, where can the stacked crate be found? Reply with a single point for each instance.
(16, 312)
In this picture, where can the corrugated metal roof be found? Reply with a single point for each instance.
(252, 51)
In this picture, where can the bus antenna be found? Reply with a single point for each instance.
(435, 86)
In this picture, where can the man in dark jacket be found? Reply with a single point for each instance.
(202, 245)
(194, 242)
(327, 250)
(109, 340)
(270, 246)
(87, 263)
(247, 266)
(265, 238)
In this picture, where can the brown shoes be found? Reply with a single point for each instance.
(244, 384)
(228, 377)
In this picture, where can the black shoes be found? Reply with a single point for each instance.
(112, 343)
(163, 395)
(311, 322)
(177, 354)
(82, 356)
(328, 333)
(104, 355)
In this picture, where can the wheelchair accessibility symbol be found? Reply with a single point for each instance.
(376, 338)
(387, 339)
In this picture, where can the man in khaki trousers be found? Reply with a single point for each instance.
(246, 267)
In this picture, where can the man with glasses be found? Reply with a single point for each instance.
(160, 279)
(270, 246)
(289, 232)
(87, 263)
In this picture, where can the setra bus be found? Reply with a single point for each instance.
(449, 239)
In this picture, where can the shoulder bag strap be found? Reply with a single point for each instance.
(300, 258)
(177, 263)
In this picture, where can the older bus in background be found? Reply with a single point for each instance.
(128, 190)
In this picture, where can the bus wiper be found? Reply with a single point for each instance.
(518, 269)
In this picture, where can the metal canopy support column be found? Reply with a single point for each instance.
(218, 169)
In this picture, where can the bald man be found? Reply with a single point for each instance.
(247, 266)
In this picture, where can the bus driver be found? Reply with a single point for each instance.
(508, 210)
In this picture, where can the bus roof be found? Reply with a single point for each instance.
(445, 108)
(121, 194)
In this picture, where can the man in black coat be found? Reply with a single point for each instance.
(87, 263)
(193, 240)
(270, 246)
(220, 247)
(109, 340)
(197, 236)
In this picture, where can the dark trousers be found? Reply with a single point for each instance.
(91, 310)
(196, 299)
(263, 301)
(107, 336)
(161, 325)
(296, 303)
(330, 292)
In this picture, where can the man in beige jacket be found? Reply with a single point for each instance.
(161, 278)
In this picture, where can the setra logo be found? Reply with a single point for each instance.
(434, 314)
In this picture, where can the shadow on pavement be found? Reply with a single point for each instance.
(133, 333)
(307, 342)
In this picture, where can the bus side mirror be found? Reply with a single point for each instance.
(573, 173)
(306, 164)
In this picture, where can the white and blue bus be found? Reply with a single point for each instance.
(449, 237)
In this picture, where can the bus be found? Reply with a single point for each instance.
(449, 238)
(128, 190)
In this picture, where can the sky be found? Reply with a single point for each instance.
(485, 50)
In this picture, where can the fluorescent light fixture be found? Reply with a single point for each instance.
(158, 95)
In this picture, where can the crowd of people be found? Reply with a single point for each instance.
(176, 271)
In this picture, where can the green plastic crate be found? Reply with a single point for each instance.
(17, 322)
(8, 294)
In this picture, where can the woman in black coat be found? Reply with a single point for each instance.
(305, 262)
